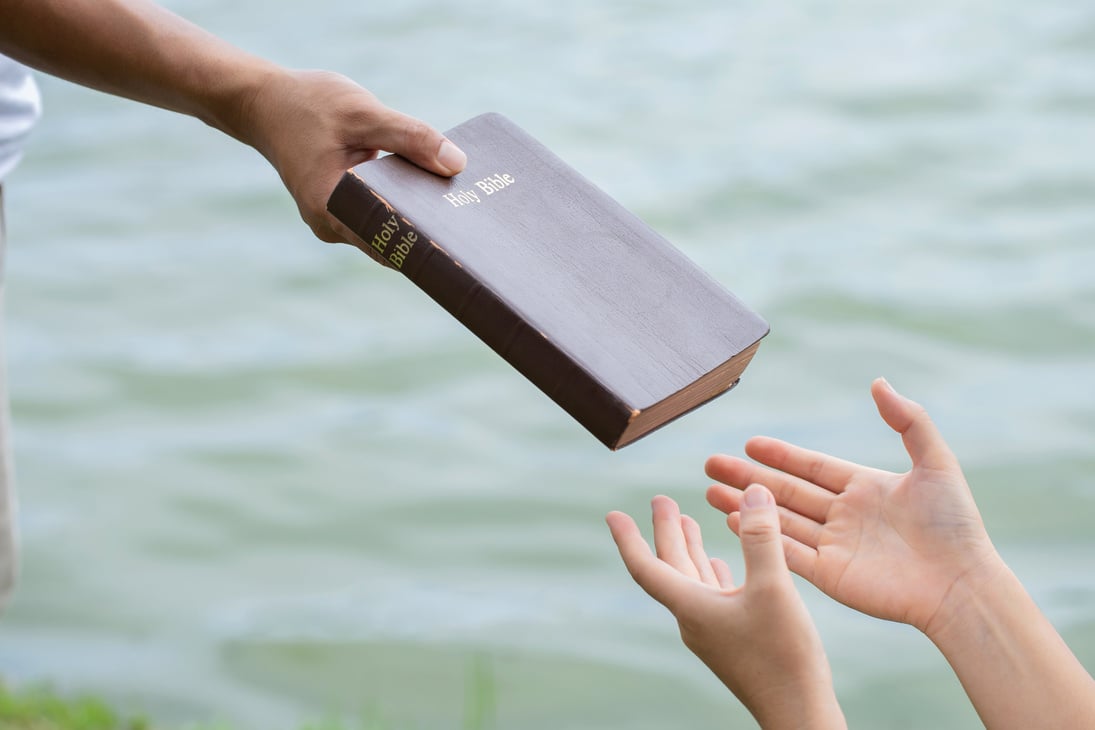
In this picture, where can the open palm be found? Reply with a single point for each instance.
(890, 545)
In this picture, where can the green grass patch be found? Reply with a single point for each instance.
(42, 709)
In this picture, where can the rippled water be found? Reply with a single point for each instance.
(263, 479)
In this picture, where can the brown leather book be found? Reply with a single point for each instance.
(600, 312)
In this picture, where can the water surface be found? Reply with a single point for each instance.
(264, 480)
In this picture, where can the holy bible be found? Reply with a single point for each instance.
(601, 313)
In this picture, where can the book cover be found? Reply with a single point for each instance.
(595, 308)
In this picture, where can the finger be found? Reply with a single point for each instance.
(724, 498)
(693, 539)
(761, 540)
(792, 525)
(815, 467)
(337, 232)
(669, 542)
(799, 526)
(922, 439)
(722, 573)
(801, 558)
(417, 141)
(790, 491)
(658, 579)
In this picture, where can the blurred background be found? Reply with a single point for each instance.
(264, 480)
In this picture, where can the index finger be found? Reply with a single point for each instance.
(661, 581)
(815, 467)
(791, 492)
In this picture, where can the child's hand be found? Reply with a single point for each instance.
(911, 547)
(890, 545)
(757, 638)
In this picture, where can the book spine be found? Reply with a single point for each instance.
(389, 237)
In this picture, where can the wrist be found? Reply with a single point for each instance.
(804, 700)
(811, 706)
(1015, 667)
(231, 100)
(969, 598)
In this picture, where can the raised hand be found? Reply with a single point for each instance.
(890, 545)
(757, 638)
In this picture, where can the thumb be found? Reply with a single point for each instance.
(418, 142)
(761, 539)
(922, 439)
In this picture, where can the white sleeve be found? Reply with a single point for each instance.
(20, 107)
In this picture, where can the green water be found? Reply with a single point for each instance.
(263, 479)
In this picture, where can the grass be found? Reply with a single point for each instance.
(38, 708)
(41, 709)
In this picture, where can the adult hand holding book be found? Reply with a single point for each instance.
(600, 312)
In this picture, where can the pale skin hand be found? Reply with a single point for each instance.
(310, 125)
(758, 637)
(912, 547)
(890, 545)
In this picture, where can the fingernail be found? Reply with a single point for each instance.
(451, 157)
(756, 496)
(887, 386)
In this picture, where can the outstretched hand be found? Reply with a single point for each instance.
(758, 637)
(314, 125)
(311, 125)
(890, 545)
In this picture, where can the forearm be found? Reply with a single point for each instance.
(1013, 664)
(135, 49)
(815, 709)
(803, 698)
